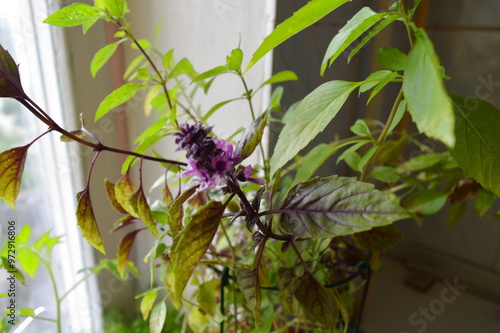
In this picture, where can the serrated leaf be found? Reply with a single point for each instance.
(86, 220)
(124, 250)
(13, 270)
(11, 173)
(235, 59)
(249, 284)
(124, 190)
(147, 303)
(110, 191)
(309, 118)
(378, 239)
(252, 137)
(428, 102)
(175, 212)
(310, 13)
(317, 300)
(117, 98)
(336, 206)
(158, 316)
(391, 58)
(10, 81)
(425, 202)
(477, 150)
(357, 25)
(483, 202)
(73, 15)
(190, 247)
(102, 56)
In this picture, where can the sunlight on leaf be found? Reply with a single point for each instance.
(73, 15)
(252, 137)
(190, 247)
(11, 173)
(117, 98)
(124, 189)
(158, 316)
(86, 220)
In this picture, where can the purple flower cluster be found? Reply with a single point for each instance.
(209, 160)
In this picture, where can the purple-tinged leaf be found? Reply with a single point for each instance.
(336, 206)
(317, 300)
(249, 283)
(190, 246)
(124, 250)
(11, 173)
(78, 133)
(10, 81)
(378, 239)
(110, 190)
(124, 222)
(86, 220)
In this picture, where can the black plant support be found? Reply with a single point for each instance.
(364, 270)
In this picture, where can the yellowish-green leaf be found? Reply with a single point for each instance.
(234, 59)
(124, 189)
(102, 56)
(157, 319)
(190, 247)
(147, 303)
(11, 173)
(117, 98)
(73, 15)
(110, 190)
(175, 212)
(252, 137)
(86, 220)
(144, 211)
(78, 133)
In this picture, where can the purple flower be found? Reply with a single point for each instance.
(209, 161)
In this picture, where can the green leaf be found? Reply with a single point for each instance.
(13, 269)
(116, 7)
(336, 206)
(391, 58)
(317, 300)
(124, 251)
(456, 212)
(352, 150)
(28, 261)
(207, 298)
(373, 79)
(361, 128)
(428, 103)
(384, 23)
(385, 174)
(175, 212)
(477, 150)
(10, 81)
(216, 107)
(420, 162)
(310, 13)
(249, 284)
(190, 247)
(382, 84)
(483, 202)
(147, 303)
(158, 316)
(252, 137)
(281, 77)
(124, 190)
(73, 15)
(211, 73)
(143, 147)
(102, 56)
(86, 220)
(425, 202)
(309, 118)
(312, 161)
(184, 66)
(117, 98)
(235, 59)
(378, 239)
(78, 133)
(357, 25)
(11, 173)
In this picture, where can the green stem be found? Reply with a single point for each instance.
(56, 293)
(404, 7)
(299, 256)
(383, 134)
(63, 296)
